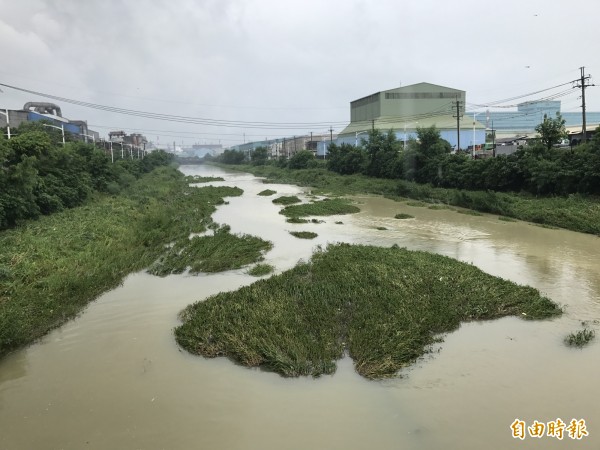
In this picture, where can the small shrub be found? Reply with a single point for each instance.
(403, 216)
(267, 192)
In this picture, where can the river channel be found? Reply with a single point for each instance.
(114, 378)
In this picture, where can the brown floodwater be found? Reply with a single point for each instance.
(114, 378)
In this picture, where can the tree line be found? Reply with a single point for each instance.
(539, 168)
(39, 176)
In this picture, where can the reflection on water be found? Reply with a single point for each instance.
(114, 378)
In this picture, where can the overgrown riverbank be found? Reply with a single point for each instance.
(51, 268)
(384, 306)
(575, 212)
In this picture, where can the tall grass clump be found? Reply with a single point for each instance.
(382, 306)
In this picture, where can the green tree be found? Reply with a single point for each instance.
(382, 151)
(552, 131)
(301, 160)
(259, 156)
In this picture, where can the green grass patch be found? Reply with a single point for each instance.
(580, 338)
(403, 216)
(439, 207)
(267, 192)
(296, 220)
(304, 234)
(506, 219)
(382, 306)
(381, 228)
(327, 207)
(51, 268)
(286, 200)
(199, 179)
(260, 270)
(217, 253)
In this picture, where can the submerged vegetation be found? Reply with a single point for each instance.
(326, 207)
(212, 253)
(383, 306)
(304, 234)
(403, 216)
(51, 268)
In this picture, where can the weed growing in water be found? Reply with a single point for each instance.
(267, 192)
(260, 270)
(286, 200)
(304, 234)
(296, 220)
(382, 306)
(403, 216)
(327, 207)
(580, 338)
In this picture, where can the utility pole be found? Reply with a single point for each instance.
(458, 116)
(582, 83)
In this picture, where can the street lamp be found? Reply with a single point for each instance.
(62, 128)
(7, 122)
(356, 137)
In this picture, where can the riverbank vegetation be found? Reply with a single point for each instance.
(539, 183)
(267, 192)
(39, 176)
(384, 307)
(52, 267)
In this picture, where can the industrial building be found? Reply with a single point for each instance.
(529, 115)
(50, 113)
(407, 108)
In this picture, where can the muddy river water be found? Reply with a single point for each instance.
(114, 378)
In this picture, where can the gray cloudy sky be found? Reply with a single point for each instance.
(284, 61)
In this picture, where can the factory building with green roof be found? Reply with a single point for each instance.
(407, 108)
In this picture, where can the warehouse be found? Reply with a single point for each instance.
(407, 108)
